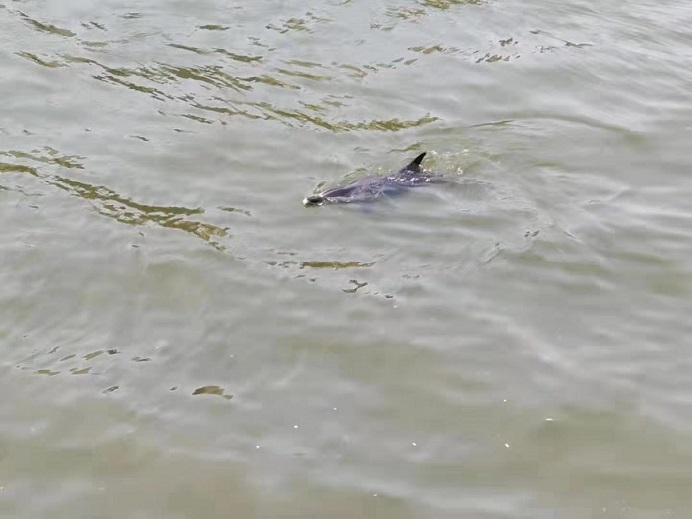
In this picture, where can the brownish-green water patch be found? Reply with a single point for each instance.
(212, 390)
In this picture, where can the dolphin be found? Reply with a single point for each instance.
(369, 189)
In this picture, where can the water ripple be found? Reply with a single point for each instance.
(109, 203)
(46, 27)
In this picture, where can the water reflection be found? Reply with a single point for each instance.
(47, 360)
(212, 27)
(46, 27)
(297, 24)
(49, 156)
(250, 76)
(446, 4)
(214, 75)
(335, 265)
(17, 168)
(109, 203)
(212, 390)
(356, 286)
(39, 61)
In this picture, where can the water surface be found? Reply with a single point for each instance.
(180, 337)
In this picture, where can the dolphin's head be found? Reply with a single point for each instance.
(314, 200)
(335, 195)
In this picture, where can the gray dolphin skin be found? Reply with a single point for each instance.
(369, 189)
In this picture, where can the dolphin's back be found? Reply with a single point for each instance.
(362, 190)
(368, 189)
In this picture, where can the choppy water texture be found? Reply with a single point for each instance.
(180, 337)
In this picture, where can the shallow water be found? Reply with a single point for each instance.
(180, 337)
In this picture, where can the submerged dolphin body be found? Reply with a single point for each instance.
(369, 189)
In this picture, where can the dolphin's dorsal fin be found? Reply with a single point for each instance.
(414, 165)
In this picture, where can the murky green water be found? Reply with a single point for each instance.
(181, 338)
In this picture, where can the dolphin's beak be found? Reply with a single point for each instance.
(313, 200)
